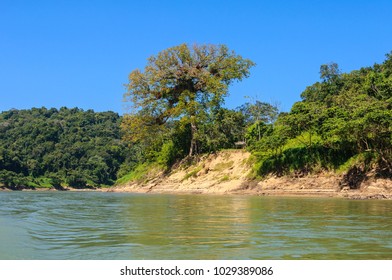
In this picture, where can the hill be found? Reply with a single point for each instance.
(59, 147)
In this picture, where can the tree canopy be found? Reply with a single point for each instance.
(65, 147)
(344, 121)
(184, 83)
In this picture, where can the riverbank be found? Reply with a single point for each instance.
(43, 189)
(227, 172)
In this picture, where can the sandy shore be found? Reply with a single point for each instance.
(227, 173)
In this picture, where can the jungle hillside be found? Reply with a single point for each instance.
(342, 124)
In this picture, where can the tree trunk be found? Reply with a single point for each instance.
(193, 148)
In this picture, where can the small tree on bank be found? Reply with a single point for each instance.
(183, 83)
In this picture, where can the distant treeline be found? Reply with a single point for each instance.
(343, 124)
(54, 148)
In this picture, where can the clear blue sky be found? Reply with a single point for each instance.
(79, 53)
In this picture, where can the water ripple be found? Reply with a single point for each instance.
(66, 225)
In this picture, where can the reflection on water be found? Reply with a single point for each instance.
(69, 225)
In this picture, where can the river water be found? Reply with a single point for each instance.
(94, 225)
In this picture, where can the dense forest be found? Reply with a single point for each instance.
(342, 124)
(55, 148)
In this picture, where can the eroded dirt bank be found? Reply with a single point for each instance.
(227, 173)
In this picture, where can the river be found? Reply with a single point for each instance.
(95, 225)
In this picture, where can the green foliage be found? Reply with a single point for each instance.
(256, 134)
(300, 160)
(343, 122)
(168, 154)
(67, 147)
(192, 173)
(224, 178)
(183, 83)
(13, 180)
(141, 173)
(362, 159)
(258, 112)
(221, 130)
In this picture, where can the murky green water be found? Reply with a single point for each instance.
(89, 225)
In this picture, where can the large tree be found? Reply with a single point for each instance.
(181, 83)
